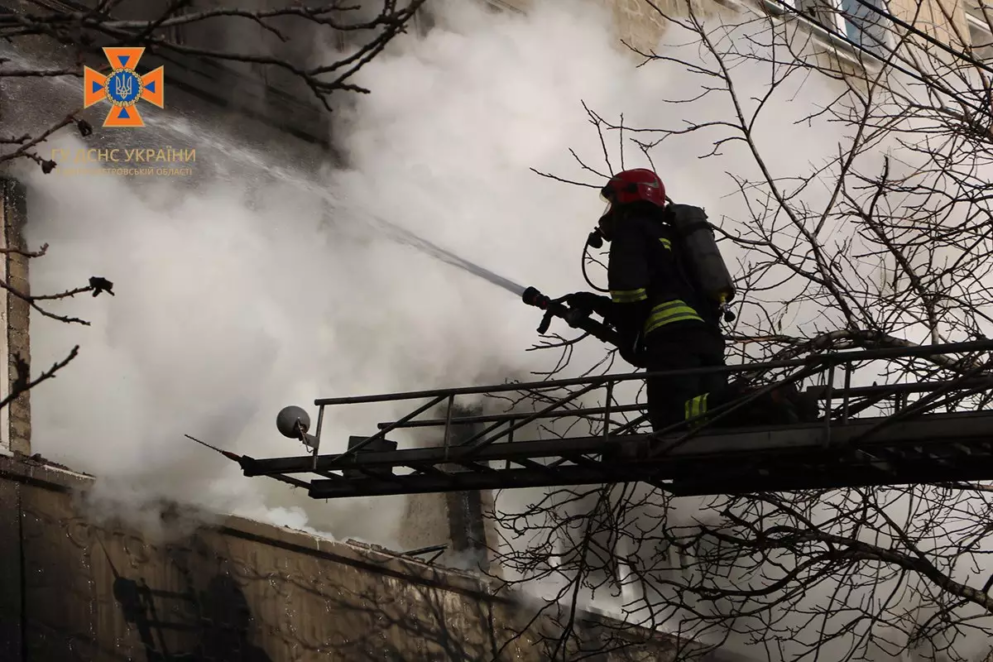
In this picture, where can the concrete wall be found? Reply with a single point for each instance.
(15, 344)
(73, 587)
(640, 26)
(637, 25)
(943, 20)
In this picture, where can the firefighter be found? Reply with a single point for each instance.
(662, 320)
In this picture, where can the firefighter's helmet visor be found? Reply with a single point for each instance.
(607, 195)
(606, 210)
(606, 223)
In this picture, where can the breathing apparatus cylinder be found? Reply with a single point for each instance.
(702, 253)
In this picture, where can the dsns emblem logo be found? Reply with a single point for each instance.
(123, 87)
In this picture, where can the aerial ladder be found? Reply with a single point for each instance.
(909, 444)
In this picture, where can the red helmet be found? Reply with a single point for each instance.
(634, 185)
(639, 185)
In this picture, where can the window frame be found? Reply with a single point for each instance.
(888, 41)
(841, 19)
(976, 23)
(835, 41)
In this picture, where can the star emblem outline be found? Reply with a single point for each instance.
(123, 87)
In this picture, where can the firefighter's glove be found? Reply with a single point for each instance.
(589, 303)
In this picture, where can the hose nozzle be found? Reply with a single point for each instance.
(533, 297)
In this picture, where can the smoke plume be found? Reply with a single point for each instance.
(253, 289)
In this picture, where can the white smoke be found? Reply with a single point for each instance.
(237, 297)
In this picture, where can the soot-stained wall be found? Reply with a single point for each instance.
(74, 586)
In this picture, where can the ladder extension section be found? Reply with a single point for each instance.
(909, 446)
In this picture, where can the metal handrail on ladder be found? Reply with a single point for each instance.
(787, 455)
(810, 366)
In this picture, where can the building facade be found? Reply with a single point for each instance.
(333, 601)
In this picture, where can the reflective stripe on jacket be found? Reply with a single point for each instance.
(676, 310)
(628, 296)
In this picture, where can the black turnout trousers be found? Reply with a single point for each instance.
(677, 349)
